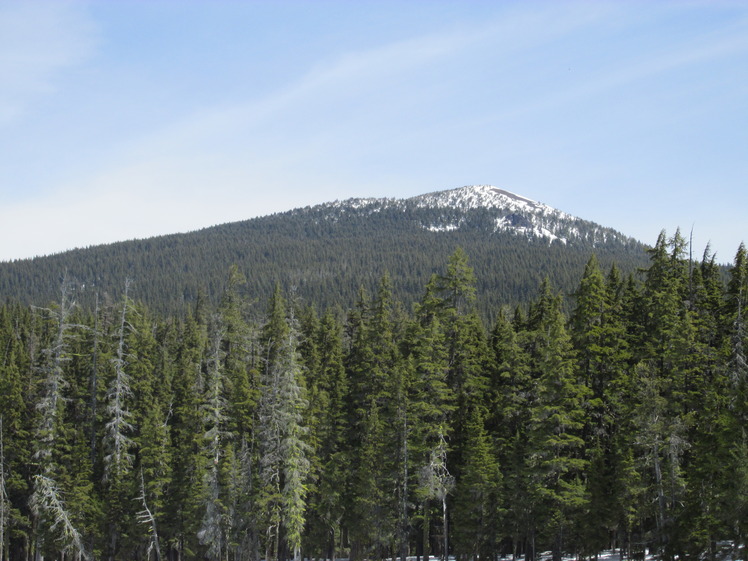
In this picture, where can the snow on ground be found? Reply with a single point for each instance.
(607, 555)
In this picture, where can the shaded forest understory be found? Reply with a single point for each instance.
(276, 430)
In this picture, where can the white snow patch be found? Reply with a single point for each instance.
(443, 228)
(485, 196)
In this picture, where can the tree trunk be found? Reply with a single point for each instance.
(426, 534)
(558, 541)
(660, 501)
(445, 553)
(530, 548)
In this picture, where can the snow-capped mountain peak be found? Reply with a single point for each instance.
(481, 196)
(481, 206)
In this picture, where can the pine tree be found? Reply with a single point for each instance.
(438, 483)
(599, 338)
(118, 459)
(283, 451)
(477, 494)
(53, 519)
(4, 502)
(241, 354)
(511, 393)
(154, 454)
(213, 531)
(183, 507)
(556, 461)
(16, 406)
(736, 300)
(375, 374)
(669, 364)
(328, 396)
(736, 307)
(431, 402)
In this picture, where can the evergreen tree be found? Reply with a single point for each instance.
(283, 451)
(4, 502)
(375, 374)
(153, 439)
(735, 508)
(556, 462)
(431, 403)
(17, 408)
(328, 395)
(477, 494)
(213, 532)
(54, 521)
(669, 367)
(438, 483)
(511, 393)
(598, 334)
(184, 503)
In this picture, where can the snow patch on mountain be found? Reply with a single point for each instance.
(509, 212)
(484, 196)
(520, 215)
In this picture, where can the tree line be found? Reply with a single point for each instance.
(270, 430)
(327, 254)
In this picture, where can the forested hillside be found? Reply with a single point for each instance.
(279, 427)
(328, 252)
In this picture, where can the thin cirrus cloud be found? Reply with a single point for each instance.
(549, 100)
(341, 97)
(38, 42)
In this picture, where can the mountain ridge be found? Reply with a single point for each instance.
(329, 251)
(516, 212)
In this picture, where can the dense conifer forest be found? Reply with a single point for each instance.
(327, 253)
(281, 427)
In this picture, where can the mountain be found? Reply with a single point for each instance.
(328, 251)
(510, 213)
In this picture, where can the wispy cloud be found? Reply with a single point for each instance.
(37, 41)
(473, 99)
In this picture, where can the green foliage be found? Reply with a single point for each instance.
(372, 432)
(327, 254)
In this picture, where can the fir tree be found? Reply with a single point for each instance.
(438, 483)
(599, 338)
(213, 530)
(375, 374)
(327, 398)
(118, 459)
(284, 464)
(4, 503)
(556, 462)
(48, 506)
(477, 494)
(184, 503)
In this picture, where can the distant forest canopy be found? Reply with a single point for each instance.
(280, 428)
(328, 254)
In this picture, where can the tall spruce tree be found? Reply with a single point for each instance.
(556, 461)
(328, 393)
(183, 504)
(375, 374)
(281, 435)
(598, 334)
(214, 529)
(56, 525)
(511, 393)
(477, 500)
(17, 406)
(431, 403)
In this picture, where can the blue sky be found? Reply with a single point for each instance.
(127, 119)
